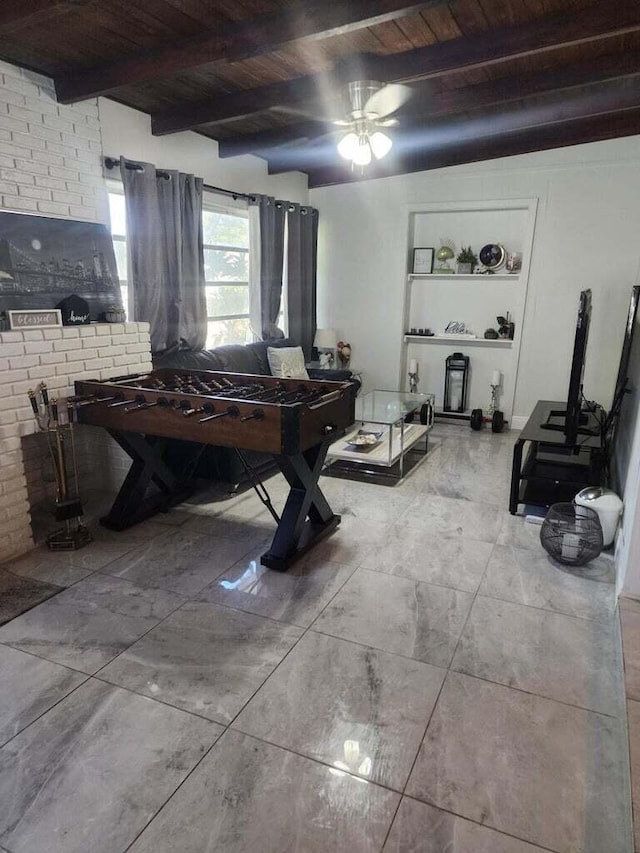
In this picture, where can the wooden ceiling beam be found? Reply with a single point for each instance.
(306, 21)
(593, 129)
(425, 105)
(420, 142)
(552, 32)
(264, 140)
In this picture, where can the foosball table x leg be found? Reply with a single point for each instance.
(132, 504)
(307, 517)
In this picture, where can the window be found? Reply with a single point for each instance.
(119, 237)
(226, 268)
(226, 272)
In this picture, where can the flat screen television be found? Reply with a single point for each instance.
(622, 382)
(571, 420)
(623, 378)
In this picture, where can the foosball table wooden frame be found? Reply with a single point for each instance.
(150, 414)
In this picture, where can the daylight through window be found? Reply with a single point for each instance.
(226, 268)
(226, 272)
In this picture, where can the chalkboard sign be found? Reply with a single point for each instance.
(75, 311)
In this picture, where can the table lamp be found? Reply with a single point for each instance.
(325, 342)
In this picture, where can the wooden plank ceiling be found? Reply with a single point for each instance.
(489, 78)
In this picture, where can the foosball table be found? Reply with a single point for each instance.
(293, 420)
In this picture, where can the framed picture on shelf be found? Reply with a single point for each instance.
(422, 261)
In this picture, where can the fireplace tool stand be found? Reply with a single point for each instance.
(61, 443)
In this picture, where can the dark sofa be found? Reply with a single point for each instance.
(222, 463)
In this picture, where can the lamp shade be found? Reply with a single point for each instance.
(325, 339)
(348, 145)
(380, 144)
(362, 155)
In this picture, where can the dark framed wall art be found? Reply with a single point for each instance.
(43, 260)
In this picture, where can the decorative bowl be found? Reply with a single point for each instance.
(365, 438)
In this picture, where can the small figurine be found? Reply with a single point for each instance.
(344, 352)
(444, 254)
(506, 327)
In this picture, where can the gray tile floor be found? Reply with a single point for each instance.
(425, 681)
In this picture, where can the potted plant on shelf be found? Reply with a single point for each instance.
(466, 261)
(115, 314)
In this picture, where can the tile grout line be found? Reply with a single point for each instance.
(495, 597)
(228, 726)
(46, 711)
(433, 710)
(449, 670)
(501, 832)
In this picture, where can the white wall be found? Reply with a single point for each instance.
(49, 153)
(586, 236)
(127, 132)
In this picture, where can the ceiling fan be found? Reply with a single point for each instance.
(369, 106)
(367, 109)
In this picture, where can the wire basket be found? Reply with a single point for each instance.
(571, 534)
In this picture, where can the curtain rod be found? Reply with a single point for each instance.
(112, 162)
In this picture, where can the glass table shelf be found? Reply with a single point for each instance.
(401, 422)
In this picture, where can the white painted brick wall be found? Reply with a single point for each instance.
(25, 360)
(50, 154)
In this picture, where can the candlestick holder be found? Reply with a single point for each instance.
(493, 405)
(413, 382)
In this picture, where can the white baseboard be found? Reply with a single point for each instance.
(518, 422)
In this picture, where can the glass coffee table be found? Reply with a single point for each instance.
(389, 439)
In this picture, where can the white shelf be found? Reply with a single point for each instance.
(380, 453)
(460, 277)
(476, 299)
(458, 339)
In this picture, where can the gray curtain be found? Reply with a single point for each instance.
(271, 215)
(302, 251)
(166, 261)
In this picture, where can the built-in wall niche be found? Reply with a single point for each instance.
(475, 228)
(433, 300)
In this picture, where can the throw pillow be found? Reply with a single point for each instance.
(287, 362)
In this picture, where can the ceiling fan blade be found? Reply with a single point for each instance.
(388, 99)
(387, 122)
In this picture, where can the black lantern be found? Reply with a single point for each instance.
(456, 378)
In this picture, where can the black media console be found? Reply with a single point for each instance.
(555, 467)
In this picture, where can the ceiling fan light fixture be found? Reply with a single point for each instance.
(380, 144)
(362, 156)
(348, 145)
